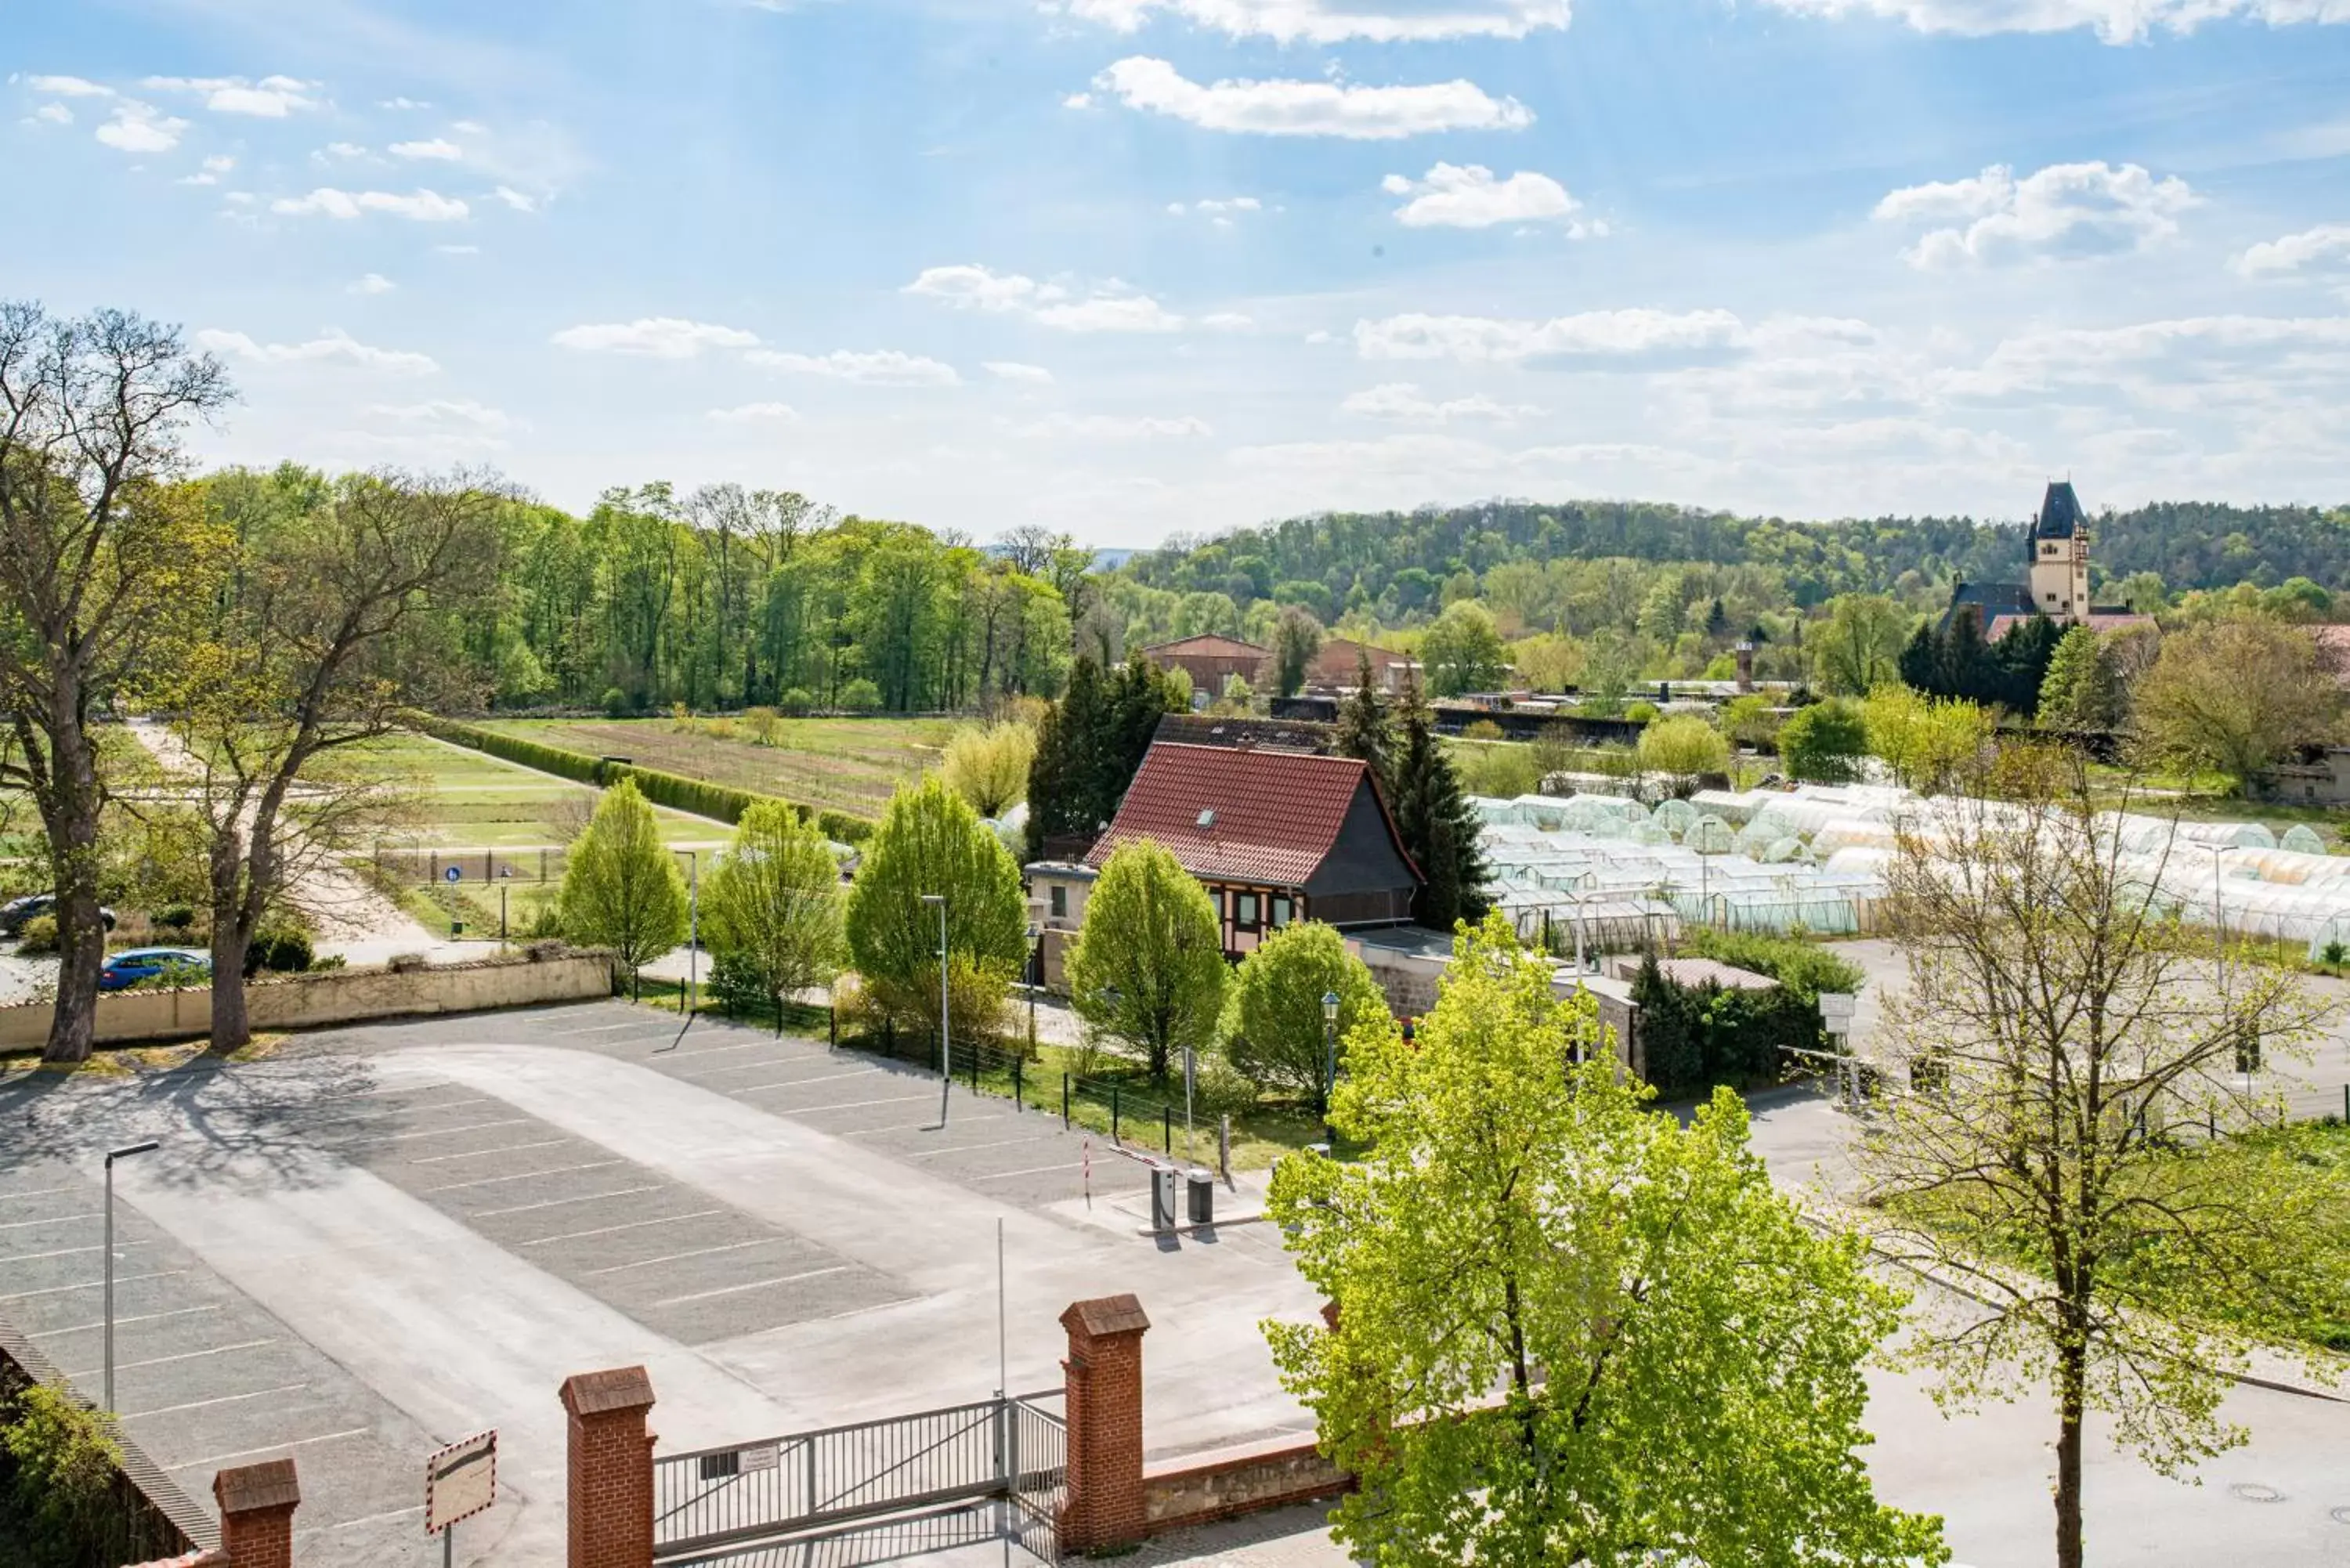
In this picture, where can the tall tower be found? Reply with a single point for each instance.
(2060, 556)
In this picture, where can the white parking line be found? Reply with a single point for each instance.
(968, 1147)
(92, 1284)
(208, 1460)
(71, 1251)
(797, 1082)
(681, 1257)
(605, 1028)
(524, 1176)
(1032, 1171)
(723, 1050)
(478, 1153)
(632, 1225)
(183, 1355)
(38, 1192)
(786, 1061)
(857, 1105)
(52, 1220)
(451, 1132)
(223, 1399)
(121, 1322)
(378, 1518)
(559, 1202)
(754, 1285)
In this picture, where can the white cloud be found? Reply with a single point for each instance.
(2174, 360)
(436, 149)
(1078, 100)
(1111, 426)
(878, 367)
(755, 414)
(1335, 21)
(1219, 208)
(140, 128)
(2115, 21)
(1012, 370)
(271, 98)
(470, 127)
(210, 174)
(654, 337)
(2065, 210)
(1596, 338)
(517, 200)
(373, 283)
(1281, 108)
(332, 347)
(2328, 243)
(1403, 402)
(68, 86)
(419, 206)
(402, 103)
(458, 250)
(1227, 321)
(1112, 307)
(54, 114)
(334, 149)
(462, 412)
(1459, 196)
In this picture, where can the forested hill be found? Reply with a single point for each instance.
(1395, 564)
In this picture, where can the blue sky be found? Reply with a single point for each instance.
(1134, 267)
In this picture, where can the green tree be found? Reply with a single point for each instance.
(621, 889)
(1435, 820)
(1927, 741)
(1149, 966)
(772, 910)
(1274, 1031)
(2234, 697)
(1824, 742)
(2061, 1022)
(1463, 651)
(1664, 1331)
(1858, 647)
(989, 765)
(2082, 690)
(1682, 749)
(1089, 744)
(61, 1468)
(1296, 638)
(1362, 729)
(932, 842)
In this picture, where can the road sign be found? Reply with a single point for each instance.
(1836, 1008)
(461, 1480)
(453, 875)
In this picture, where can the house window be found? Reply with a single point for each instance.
(1245, 909)
(1281, 913)
(1060, 902)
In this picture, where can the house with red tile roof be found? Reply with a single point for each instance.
(1276, 835)
(1210, 660)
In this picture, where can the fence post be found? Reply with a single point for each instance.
(1167, 1129)
(1065, 1102)
(1224, 1146)
(1113, 1116)
(1017, 1106)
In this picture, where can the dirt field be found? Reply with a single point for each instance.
(841, 765)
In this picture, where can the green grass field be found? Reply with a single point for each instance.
(839, 764)
(469, 800)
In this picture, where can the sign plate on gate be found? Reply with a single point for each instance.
(762, 1457)
(1836, 1008)
(461, 1480)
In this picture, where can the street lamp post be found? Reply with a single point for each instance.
(1329, 1066)
(1036, 977)
(946, 1062)
(111, 1156)
(692, 925)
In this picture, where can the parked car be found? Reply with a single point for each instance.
(16, 911)
(131, 965)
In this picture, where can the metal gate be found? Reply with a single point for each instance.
(805, 1483)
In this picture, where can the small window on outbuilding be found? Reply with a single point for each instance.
(1060, 902)
(1281, 912)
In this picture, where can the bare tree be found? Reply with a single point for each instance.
(101, 557)
(2064, 1029)
(313, 656)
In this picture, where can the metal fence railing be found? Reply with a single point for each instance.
(1130, 1115)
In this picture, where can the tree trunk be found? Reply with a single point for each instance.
(2071, 1376)
(231, 1025)
(71, 818)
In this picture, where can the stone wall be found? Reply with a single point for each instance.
(1237, 1481)
(333, 996)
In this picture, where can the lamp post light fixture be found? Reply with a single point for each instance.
(125, 1152)
(1329, 1064)
(946, 1061)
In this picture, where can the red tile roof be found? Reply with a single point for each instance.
(1277, 813)
(1206, 645)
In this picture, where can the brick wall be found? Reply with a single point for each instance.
(609, 1478)
(1202, 1490)
(1104, 1372)
(256, 1510)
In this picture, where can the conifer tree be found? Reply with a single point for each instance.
(1362, 729)
(1433, 815)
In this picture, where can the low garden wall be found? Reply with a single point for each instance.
(335, 996)
(1226, 1485)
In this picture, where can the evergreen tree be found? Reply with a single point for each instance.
(2082, 690)
(1362, 729)
(1089, 746)
(1433, 816)
(1296, 637)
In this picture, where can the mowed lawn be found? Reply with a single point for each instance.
(468, 800)
(840, 764)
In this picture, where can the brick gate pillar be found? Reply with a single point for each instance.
(611, 1483)
(1104, 1413)
(256, 1510)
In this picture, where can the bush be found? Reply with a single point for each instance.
(616, 702)
(1802, 968)
(60, 1467)
(40, 935)
(176, 916)
(1641, 713)
(281, 948)
(1823, 743)
(1694, 1037)
(1274, 1032)
(798, 699)
(761, 723)
(843, 828)
(860, 696)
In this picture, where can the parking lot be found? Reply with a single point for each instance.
(383, 1239)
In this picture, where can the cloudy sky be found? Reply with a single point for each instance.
(1132, 267)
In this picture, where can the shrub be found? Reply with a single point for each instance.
(176, 916)
(407, 963)
(843, 828)
(798, 699)
(1823, 743)
(283, 948)
(860, 696)
(1273, 1032)
(40, 935)
(60, 1470)
(1804, 969)
(989, 767)
(1483, 730)
(762, 723)
(1683, 749)
(1641, 713)
(1692, 1037)
(616, 702)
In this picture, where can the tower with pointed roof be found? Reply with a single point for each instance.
(2060, 556)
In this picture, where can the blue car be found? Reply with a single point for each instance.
(131, 965)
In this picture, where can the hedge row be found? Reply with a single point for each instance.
(699, 797)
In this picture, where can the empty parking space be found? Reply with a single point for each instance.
(204, 1377)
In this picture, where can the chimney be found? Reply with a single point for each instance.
(1746, 651)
